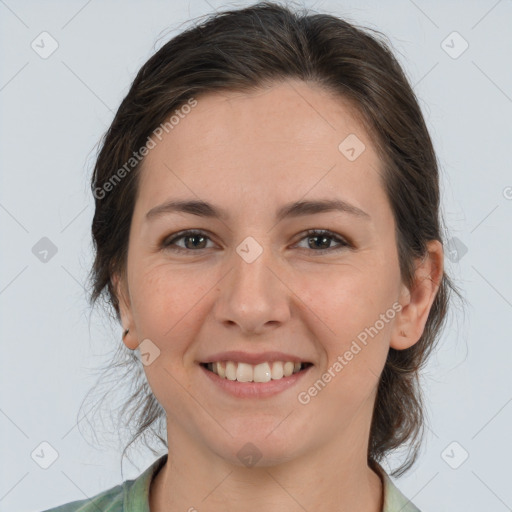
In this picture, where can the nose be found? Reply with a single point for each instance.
(253, 296)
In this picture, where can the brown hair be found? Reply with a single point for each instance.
(242, 50)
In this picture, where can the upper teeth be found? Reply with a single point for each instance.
(263, 372)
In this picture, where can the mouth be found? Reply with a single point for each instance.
(263, 372)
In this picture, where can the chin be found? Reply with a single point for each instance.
(257, 449)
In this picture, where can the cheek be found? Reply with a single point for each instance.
(165, 301)
(352, 313)
(347, 297)
(166, 304)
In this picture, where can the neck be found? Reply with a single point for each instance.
(324, 479)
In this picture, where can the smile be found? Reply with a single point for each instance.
(263, 372)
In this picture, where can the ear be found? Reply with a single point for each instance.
(123, 296)
(417, 301)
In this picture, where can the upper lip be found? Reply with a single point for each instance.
(256, 358)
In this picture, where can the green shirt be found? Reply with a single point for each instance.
(133, 495)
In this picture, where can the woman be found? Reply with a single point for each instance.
(267, 230)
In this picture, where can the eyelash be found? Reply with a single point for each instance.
(168, 242)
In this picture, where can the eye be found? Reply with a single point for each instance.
(198, 241)
(320, 239)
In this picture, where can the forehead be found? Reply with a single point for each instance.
(276, 143)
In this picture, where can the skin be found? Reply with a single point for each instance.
(250, 153)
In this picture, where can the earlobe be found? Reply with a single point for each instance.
(411, 321)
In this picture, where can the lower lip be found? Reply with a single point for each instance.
(255, 389)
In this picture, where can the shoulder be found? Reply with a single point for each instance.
(394, 500)
(130, 496)
(110, 500)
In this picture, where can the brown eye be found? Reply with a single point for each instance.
(319, 240)
(193, 240)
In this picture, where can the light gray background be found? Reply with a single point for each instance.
(53, 112)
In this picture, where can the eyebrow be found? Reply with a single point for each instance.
(294, 209)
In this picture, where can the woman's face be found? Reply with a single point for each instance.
(253, 281)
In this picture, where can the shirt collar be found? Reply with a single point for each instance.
(136, 492)
(394, 500)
